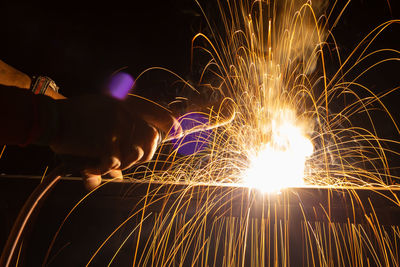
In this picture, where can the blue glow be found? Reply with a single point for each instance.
(194, 142)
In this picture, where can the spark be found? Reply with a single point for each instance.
(270, 61)
(279, 163)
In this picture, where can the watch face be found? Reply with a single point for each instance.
(53, 85)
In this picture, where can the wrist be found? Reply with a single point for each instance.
(13, 77)
(41, 84)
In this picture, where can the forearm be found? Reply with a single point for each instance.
(10, 76)
(24, 117)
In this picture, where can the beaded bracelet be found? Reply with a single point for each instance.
(41, 84)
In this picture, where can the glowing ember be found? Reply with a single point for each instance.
(279, 163)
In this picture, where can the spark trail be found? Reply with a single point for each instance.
(268, 65)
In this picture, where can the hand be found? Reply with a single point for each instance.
(112, 135)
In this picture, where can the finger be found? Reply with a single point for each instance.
(147, 138)
(108, 164)
(91, 174)
(132, 155)
(142, 144)
(116, 175)
(91, 179)
(154, 114)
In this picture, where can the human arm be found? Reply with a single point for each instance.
(9, 76)
(112, 134)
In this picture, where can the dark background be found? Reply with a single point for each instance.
(79, 44)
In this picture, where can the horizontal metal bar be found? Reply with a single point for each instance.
(311, 203)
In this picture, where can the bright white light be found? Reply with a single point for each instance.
(280, 163)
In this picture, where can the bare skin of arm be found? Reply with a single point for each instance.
(12, 77)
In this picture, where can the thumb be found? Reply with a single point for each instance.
(91, 180)
(154, 114)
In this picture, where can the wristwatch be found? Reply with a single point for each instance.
(40, 84)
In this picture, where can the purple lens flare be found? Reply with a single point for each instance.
(120, 84)
(193, 142)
